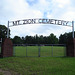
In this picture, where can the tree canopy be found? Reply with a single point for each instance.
(3, 31)
(51, 39)
(63, 38)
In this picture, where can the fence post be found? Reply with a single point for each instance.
(26, 50)
(64, 50)
(39, 51)
(13, 50)
(52, 50)
(8, 30)
(73, 28)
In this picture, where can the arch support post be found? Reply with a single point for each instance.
(73, 29)
(8, 30)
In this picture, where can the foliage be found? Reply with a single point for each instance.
(65, 37)
(51, 39)
(17, 40)
(3, 31)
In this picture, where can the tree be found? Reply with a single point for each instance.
(17, 40)
(23, 40)
(41, 39)
(3, 31)
(52, 39)
(36, 39)
(65, 37)
(29, 40)
(62, 39)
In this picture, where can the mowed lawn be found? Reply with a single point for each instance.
(43, 50)
(38, 65)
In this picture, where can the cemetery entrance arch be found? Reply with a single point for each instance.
(40, 21)
(8, 50)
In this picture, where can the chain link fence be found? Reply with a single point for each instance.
(41, 50)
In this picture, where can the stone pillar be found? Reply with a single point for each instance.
(7, 48)
(70, 48)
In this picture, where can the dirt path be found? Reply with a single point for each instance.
(2, 72)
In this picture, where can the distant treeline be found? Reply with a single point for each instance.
(51, 39)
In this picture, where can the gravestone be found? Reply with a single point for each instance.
(70, 48)
(7, 48)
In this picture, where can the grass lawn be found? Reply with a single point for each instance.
(39, 65)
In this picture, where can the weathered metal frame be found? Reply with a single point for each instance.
(41, 23)
(39, 49)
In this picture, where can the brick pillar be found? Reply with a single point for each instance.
(70, 48)
(7, 48)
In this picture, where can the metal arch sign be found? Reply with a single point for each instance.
(39, 21)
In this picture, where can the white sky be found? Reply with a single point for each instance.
(23, 9)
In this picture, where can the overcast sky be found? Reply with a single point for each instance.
(29, 9)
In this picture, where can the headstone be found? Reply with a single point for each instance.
(7, 48)
(70, 48)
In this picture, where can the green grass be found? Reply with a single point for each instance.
(44, 51)
(39, 65)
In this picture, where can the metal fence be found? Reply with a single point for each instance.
(41, 50)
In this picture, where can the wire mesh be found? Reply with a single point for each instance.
(40, 50)
(19, 51)
(32, 50)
